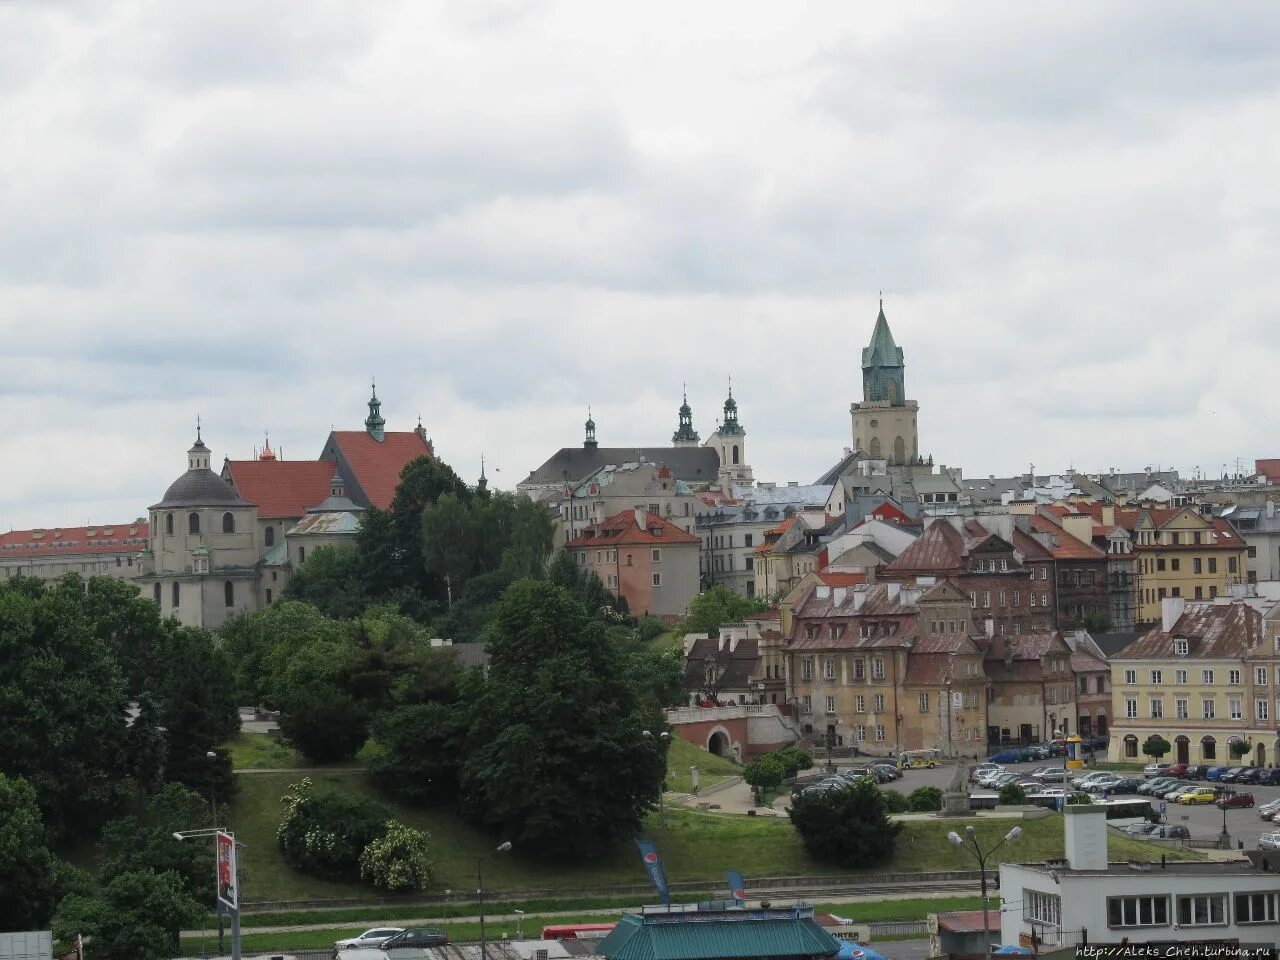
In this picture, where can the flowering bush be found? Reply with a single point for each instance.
(398, 860)
(324, 833)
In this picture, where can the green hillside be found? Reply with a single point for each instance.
(711, 769)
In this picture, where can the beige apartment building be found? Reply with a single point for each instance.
(1207, 675)
(104, 550)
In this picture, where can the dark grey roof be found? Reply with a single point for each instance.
(571, 464)
(735, 667)
(470, 654)
(1113, 643)
(332, 504)
(842, 467)
(200, 488)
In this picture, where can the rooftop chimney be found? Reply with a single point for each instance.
(1108, 516)
(837, 595)
(893, 589)
(859, 597)
(642, 520)
(1171, 611)
(1086, 837)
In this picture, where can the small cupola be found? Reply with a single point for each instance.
(198, 455)
(374, 423)
(589, 442)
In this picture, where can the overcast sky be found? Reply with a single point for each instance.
(510, 211)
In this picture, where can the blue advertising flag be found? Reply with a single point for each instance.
(737, 888)
(652, 863)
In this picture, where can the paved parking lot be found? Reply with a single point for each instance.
(1202, 821)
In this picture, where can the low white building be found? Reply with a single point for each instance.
(1086, 899)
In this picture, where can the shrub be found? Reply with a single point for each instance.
(1237, 748)
(1013, 794)
(895, 802)
(650, 627)
(324, 723)
(765, 773)
(794, 759)
(398, 860)
(324, 833)
(1080, 799)
(848, 827)
(925, 799)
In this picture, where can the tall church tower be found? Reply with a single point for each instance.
(884, 423)
(685, 435)
(730, 442)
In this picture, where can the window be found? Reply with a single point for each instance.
(302, 554)
(1182, 708)
(228, 522)
(168, 524)
(1131, 676)
(1209, 708)
(1004, 566)
(268, 597)
(1179, 676)
(1206, 678)
(1042, 907)
(747, 540)
(1131, 708)
(859, 704)
(1262, 709)
(1213, 564)
(1174, 564)
(1180, 647)
(175, 593)
(924, 703)
(1233, 677)
(1157, 709)
(879, 702)
(831, 704)
(229, 594)
(1044, 573)
(1044, 599)
(1131, 746)
(1208, 748)
(1203, 910)
(1017, 598)
(1256, 907)
(1002, 599)
(1160, 564)
(1152, 911)
(1231, 564)
(806, 669)
(877, 668)
(986, 598)
(973, 602)
(991, 566)
(1235, 708)
(806, 703)
(1157, 677)
(880, 732)
(1260, 676)
(860, 732)
(193, 522)
(270, 536)
(656, 556)
(751, 563)
(1195, 565)
(157, 593)
(828, 669)
(859, 669)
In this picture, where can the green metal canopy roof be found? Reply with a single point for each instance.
(731, 935)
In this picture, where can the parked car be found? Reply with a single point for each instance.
(987, 778)
(1156, 770)
(1248, 775)
(1050, 774)
(1169, 831)
(373, 937)
(1090, 777)
(1006, 756)
(1215, 773)
(1176, 770)
(1197, 795)
(984, 768)
(1102, 783)
(1232, 773)
(1234, 799)
(1195, 771)
(1152, 787)
(1124, 785)
(1269, 778)
(893, 772)
(1176, 790)
(1141, 829)
(412, 944)
(1269, 809)
(1269, 841)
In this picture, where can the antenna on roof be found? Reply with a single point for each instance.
(197, 426)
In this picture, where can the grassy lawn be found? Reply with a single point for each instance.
(711, 769)
(259, 751)
(695, 846)
(672, 639)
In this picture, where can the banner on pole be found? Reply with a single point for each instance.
(228, 885)
(737, 888)
(653, 864)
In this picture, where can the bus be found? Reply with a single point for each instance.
(577, 931)
(919, 758)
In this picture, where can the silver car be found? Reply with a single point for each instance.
(1269, 841)
(372, 938)
(1269, 809)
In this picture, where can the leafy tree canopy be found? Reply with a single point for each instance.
(331, 582)
(28, 881)
(1156, 746)
(719, 605)
(137, 916)
(849, 827)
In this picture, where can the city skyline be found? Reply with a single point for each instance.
(511, 212)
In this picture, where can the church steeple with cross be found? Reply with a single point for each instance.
(884, 423)
(685, 435)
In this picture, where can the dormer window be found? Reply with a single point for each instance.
(1180, 646)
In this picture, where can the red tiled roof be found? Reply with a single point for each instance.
(110, 538)
(939, 643)
(773, 613)
(1059, 510)
(939, 548)
(1030, 547)
(281, 488)
(377, 466)
(1225, 631)
(1065, 546)
(928, 669)
(781, 528)
(622, 529)
(1087, 663)
(840, 579)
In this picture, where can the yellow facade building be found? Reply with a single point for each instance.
(1182, 554)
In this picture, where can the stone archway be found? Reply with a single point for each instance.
(1182, 749)
(1260, 755)
(720, 743)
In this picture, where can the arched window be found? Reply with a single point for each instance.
(875, 448)
(168, 524)
(271, 536)
(891, 391)
(228, 522)
(899, 450)
(175, 593)
(157, 593)
(302, 554)
(229, 592)
(1130, 746)
(193, 522)
(735, 453)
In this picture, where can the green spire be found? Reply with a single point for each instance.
(731, 425)
(589, 443)
(882, 365)
(685, 434)
(374, 422)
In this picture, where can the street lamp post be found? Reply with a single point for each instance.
(970, 842)
(519, 924)
(235, 913)
(500, 848)
(831, 744)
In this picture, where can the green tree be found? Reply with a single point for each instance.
(146, 746)
(555, 717)
(28, 881)
(794, 759)
(62, 697)
(137, 916)
(719, 605)
(450, 541)
(1156, 746)
(924, 799)
(422, 482)
(849, 827)
(143, 841)
(398, 860)
(128, 623)
(1012, 794)
(418, 750)
(765, 774)
(331, 582)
